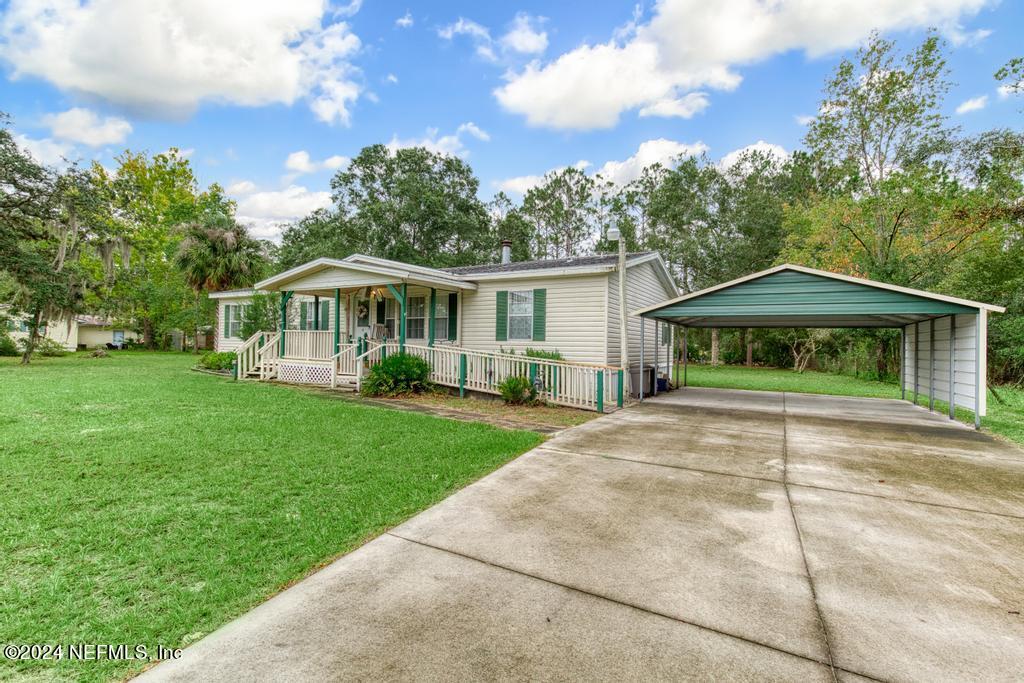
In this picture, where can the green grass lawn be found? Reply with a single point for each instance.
(1004, 419)
(144, 503)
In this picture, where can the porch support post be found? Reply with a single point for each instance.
(600, 390)
(979, 374)
(433, 312)
(952, 366)
(917, 351)
(316, 311)
(657, 339)
(285, 296)
(337, 320)
(400, 297)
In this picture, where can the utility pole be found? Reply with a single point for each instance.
(616, 235)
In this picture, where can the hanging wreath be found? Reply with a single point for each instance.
(362, 311)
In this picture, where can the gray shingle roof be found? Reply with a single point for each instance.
(542, 264)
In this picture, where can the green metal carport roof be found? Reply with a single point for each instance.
(795, 296)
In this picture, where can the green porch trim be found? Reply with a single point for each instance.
(462, 375)
(433, 313)
(600, 391)
(618, 396)
(316, 312)
(285, 296)
(337, 320)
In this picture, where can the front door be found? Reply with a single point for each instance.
(363, 315)
(118, 339)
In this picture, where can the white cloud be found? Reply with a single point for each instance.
(480, 36)
(300, 163)
(959, 37)
(1005, 91)
(241, 187)
(768, 148)
(684, 107)
(659, 151)
(973, 104)
(689, 45)
(166, 57)
(47, 151)
(444, 144)
(803, 119)
(524, 36)
(404, 21)
(267, 212)
(84, 126)
(391, 78)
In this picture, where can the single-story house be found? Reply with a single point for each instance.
(81, 332)
(338, 311)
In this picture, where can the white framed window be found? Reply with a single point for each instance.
(520, 315)
(415, 317)
(441, 319)
(233, 315)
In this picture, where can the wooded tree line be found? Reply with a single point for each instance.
(884, 187)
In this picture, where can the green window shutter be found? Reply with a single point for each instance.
(302, 315)
(501, 317)
(453, 315)
(227, 320)
(540, 314)
(382, 311)
(325, 313)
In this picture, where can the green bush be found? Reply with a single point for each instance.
(517, 390)
(399, 373)
(542, 354)
(7, 345)
(217, 361)
(44, 347)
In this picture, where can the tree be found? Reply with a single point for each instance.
(1013, 74)
(510, 224)
(323, 233)
(217, 254)
(412, 205)
(561, 210)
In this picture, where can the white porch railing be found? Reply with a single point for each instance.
(247, 355)
(309, 358)
(580, 385)
(309, 344)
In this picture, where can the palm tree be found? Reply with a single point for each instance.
(218, 254)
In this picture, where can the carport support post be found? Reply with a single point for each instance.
(642, 326)
(979, 377)
(952, 366)
(903, 362)
(686, 352)
(917, 350)
(931, 364)
(657, 338)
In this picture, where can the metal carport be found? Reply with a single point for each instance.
(944, 337)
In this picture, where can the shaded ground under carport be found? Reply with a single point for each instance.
(707, 533)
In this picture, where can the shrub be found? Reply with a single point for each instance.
(542, 354)
(217, 361)
(7, 345)
(399, 373)
(44, 347)
(517, 390)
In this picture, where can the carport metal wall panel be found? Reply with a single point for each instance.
(965, 361)
(792, 298)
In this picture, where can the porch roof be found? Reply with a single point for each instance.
(324, 275)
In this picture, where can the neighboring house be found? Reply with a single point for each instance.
(82, 332)
(566, 305)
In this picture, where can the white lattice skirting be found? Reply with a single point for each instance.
(302, 373)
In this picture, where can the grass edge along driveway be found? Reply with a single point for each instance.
(145, 504)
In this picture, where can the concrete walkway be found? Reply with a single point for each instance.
(706, 534)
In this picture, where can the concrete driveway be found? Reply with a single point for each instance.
(707, 534)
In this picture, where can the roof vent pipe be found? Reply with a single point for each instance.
(506, 252)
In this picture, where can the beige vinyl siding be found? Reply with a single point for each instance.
(93, 336)
(643, 288)
(576, 316)
(222, 343)
(57, 330)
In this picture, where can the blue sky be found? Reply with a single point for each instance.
(270, 99)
